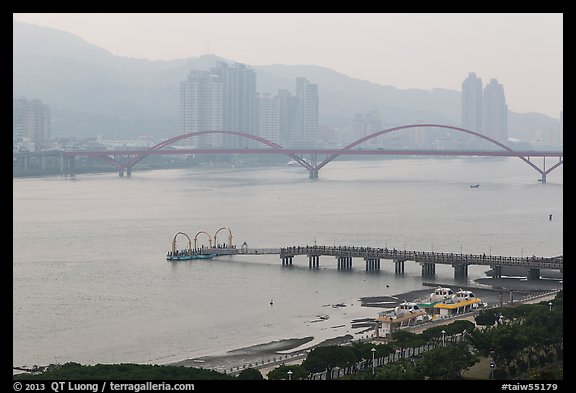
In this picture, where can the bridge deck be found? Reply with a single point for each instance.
(423, 257)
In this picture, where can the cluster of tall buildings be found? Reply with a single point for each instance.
(225, 99)
(484, 110)
(30, 124)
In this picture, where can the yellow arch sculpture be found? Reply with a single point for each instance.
(229, 236)
(207, 234)
(174, 241)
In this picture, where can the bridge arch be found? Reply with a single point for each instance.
(196, 238)
(229, 236)
(459, 129)
(273, 145)
(174, 241)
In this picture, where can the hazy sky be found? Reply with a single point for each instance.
(523, 51)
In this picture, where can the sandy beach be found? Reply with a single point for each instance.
(267, 356)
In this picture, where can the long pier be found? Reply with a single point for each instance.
(372, 257)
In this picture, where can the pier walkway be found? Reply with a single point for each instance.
(372, 257)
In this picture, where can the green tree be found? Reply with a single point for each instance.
(250, 374)
(487, 317)
(124, 371)
(460, 326)
(549, 372)
(445, 362)
(364, 350)
(281, 372)
(401, 370)
(406, 339)
(530, 336)
(328, 357)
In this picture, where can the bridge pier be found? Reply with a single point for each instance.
(344, 263)
(428, 269)
(129, 171)
(313, 174)
(372, 264)
(287, 260)
(69, 166)
(534, 274)
(398, 266)
(460, 271)
(496, 271)
(313, 261)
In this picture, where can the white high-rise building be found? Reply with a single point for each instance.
(288, 116)
(472, 103)
(238, 102)
(305, 133)
(201, 107)
(495, 112)
(31, 123)
(268, 117)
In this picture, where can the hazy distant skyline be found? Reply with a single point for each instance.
(421, 51)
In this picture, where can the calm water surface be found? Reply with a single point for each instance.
(91, 283)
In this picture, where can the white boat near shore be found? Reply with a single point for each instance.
(440, 304)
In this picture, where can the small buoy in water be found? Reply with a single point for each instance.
(550, 217)
(271, 303)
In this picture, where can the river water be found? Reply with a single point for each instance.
(91, 283)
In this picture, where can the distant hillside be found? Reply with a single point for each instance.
(91, 91)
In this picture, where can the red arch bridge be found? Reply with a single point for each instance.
(124, 160)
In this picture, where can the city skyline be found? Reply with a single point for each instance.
(522, 51)
(484, 110)
(225, 98)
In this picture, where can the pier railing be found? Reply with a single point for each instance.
(374, 254)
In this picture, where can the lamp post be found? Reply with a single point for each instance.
(373, 350)
(289, 374)
(492, 364)
(550, 305)
(443, 337)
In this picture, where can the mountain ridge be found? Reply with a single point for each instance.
(126, 97)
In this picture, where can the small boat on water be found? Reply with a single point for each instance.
(474, 185)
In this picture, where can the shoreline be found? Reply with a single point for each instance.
(277, 352)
